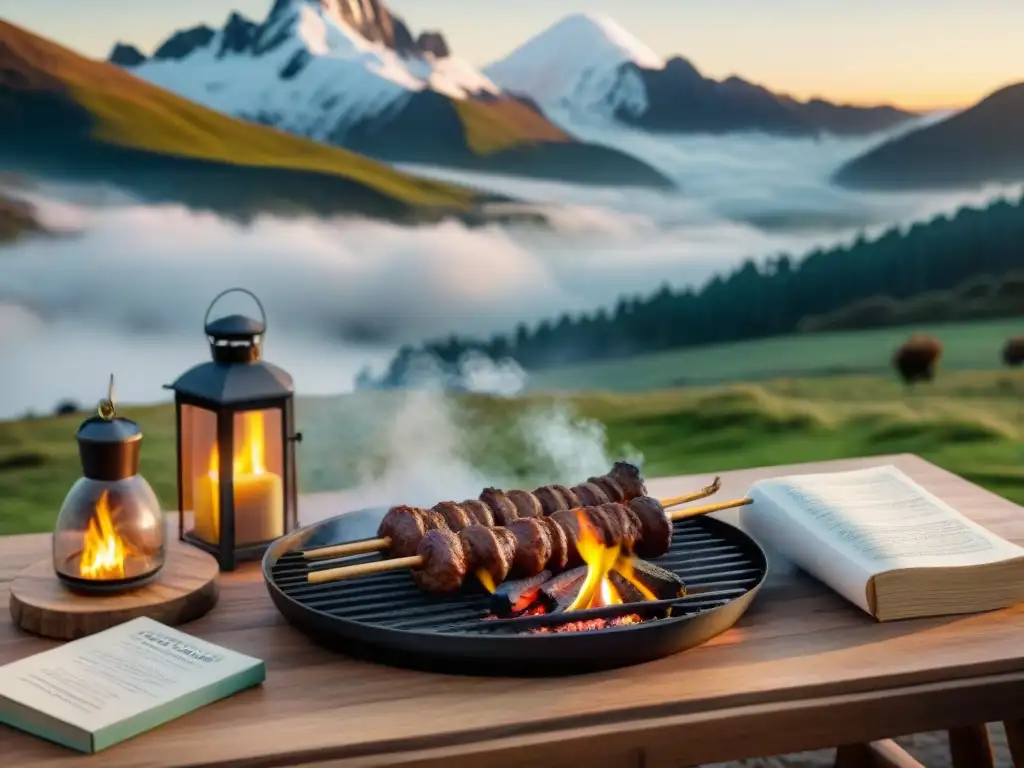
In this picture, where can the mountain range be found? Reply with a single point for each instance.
(69, 118)
(351, 73)
(982, 144)
(588, 66)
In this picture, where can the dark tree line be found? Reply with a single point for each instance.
(759, 300)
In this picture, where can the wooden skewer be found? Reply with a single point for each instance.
(703, 493)
(684, 514)
(376, 545)
(346, 572)
(350, 548)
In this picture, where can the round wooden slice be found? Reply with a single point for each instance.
(186, 588)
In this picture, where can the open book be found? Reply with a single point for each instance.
(885, 543)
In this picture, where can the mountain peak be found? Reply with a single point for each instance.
(185, 41)
(576, 62)
(125, 55)
(588, 28)
(1008, 97)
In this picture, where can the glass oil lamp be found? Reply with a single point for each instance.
(110, 534)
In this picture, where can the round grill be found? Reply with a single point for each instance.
(386, 618)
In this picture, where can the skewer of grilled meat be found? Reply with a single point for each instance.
(403, 527)
(443, 558)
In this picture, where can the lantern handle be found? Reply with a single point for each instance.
(106, 408)
(222, 294)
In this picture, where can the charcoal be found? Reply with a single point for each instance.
(626, 589)
(515, 596)
(663, 583)
(559, 592)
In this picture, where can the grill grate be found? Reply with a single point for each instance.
(717, 563)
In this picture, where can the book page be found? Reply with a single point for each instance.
(776, 523)
(885, 521)
(104, 678)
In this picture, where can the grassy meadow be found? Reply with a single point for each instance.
(967, 422)
(968, 346)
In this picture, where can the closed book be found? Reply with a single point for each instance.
(92, 693)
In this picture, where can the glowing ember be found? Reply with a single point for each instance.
(103, 551)
(587, 625)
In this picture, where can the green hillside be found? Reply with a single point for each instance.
(965, 422)
(67, 116)
(967, 347)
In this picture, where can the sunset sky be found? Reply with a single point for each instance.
(916, 53)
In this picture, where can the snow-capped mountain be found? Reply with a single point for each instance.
(313, 67)
(583, 65)
(587, 67)
(350, 73)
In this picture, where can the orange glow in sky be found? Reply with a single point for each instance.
(915, 53)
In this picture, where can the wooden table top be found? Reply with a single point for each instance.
(803, 669)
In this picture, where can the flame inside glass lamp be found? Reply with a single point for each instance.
(110, 533)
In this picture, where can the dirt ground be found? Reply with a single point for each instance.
(931, 749)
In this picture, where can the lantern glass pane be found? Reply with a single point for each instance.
(198, 459)
(256, 469)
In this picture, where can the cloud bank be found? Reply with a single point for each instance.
(129, 292)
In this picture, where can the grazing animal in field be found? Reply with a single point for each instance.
(1013, 351)
(917, 359)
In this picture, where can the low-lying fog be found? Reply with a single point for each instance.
(128, 294)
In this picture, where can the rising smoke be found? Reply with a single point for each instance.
(425, 444)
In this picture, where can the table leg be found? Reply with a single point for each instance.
(970, 748)
(1015, 739)
(877, 754)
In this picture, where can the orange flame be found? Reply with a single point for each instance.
(250, 455)
(597, 590)
(485, 578)
(624, 567)
(103, 551)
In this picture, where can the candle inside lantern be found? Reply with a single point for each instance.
(258, 493)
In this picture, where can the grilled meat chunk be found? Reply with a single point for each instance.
(533, 546)
(551, 500)
(490, 549)
(629, 479)
(405, 527)
(590, 495)
(445, 565)
(527, 505)
(502, 508)
(479, 511)
(455, 517)
(559, 544)
(657, 527)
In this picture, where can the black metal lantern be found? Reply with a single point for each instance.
(236, 443)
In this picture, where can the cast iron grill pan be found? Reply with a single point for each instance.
(387, 619)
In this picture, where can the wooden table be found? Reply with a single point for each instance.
(802, 670)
